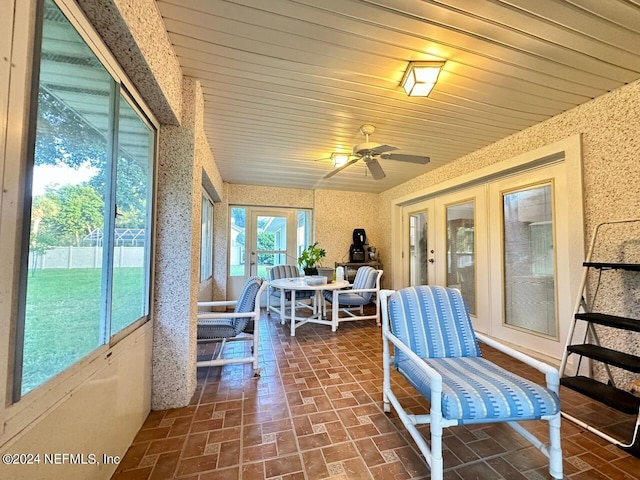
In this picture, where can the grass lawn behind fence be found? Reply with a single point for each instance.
(62, 323)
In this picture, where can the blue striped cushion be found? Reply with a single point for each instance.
(216, 328)
(283, 271)
(231, 327)
(287, 271)
(433, 321)
(474, 389)
(346, 298)
(247, 299)
(365, 278)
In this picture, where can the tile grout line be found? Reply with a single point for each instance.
(293, 430)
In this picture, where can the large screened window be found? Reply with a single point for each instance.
(87, 271)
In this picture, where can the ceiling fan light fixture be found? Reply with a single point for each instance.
(339, 159)
(420, 78)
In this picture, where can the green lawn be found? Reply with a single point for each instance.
(238, 270)
(62, 323)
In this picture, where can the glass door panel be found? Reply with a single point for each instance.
(237, 236)
(418, 274)
(270, 246)
(461, 250)
(303, 231)
(461, 257)
(529, 277)
(418, 245)
(262, 237)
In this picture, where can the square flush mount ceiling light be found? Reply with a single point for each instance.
(420, 78)
(339, 159)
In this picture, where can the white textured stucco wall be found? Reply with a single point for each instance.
(135, 33)
(177, 253)
(337, 214)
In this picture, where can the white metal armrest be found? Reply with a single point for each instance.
(433, 375)
(217, 315)
(551, 373)
(218, 303)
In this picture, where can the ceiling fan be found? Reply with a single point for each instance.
(370, 152)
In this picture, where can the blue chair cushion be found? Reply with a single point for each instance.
(216, 328)
(287, 271)
(366, 278)
(230, 327)
(346, 298)
(433, 321)
(474, 389)
(283, 271)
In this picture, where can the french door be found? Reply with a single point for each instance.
(263, 237)
(507, 246)
(442, 247)
(419, 243)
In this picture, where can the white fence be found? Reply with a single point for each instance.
(85, 257)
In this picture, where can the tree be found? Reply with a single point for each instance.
(63, 215)
(66, 137)
(81, 211)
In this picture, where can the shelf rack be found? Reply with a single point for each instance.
(590, 347)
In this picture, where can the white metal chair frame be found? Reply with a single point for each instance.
(433, 452)
(293, 272)
(354, 312)
(252, 337)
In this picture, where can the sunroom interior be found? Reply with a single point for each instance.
(157, 153)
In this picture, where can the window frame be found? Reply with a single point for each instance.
(75, 373)
(206, 229)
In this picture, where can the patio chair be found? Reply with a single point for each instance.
(285, 271)
(352, 300)
(241, 324)
(437, 351)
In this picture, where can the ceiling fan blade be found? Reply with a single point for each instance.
(376, 170)
(382, 149)
(342, 167)
(401, 157)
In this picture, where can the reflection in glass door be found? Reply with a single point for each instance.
(461, 258)
(529, 286)
(270, 246)
(418, 274)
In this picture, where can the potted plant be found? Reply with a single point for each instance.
(310, 257)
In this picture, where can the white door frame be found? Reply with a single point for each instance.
(235, 283)
(427, 207)
(564, 224)
(567, 153)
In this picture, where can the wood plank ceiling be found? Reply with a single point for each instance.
(287, 82)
